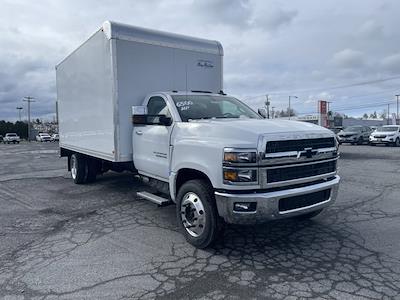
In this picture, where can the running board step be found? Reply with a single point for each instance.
(160, 201)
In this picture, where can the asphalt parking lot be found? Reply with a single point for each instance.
(96, 241)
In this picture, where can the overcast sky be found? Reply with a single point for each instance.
(312, 49)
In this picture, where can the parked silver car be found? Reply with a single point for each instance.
(357, 134)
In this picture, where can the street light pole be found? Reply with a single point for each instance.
(388, 119)
(397, 115)
(267, 103)
(290, 109)
(19, 112)
(29, 100)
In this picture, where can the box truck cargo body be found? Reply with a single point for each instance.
(115, 69)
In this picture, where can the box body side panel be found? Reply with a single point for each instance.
(85, 99)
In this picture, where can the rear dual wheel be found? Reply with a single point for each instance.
(79, 168)
(83, 169)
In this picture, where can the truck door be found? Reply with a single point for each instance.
(151, 143)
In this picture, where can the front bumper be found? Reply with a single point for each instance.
(386, 140)
(267, 204)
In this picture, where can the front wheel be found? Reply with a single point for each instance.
(397, 142)
(197, 213)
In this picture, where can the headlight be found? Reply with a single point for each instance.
(232, 176)
(239, 156)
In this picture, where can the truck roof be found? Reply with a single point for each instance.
(189, 93)
(119, 31)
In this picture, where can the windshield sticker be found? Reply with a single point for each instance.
(184, 105)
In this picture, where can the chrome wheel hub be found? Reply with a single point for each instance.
(192, 214)
(73, 167)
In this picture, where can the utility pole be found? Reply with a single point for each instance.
(19, 112)
(57, 112)
(29, 100)
(328, 104)
(388, 118)
(290, 109)
(397, 115)
(267, 103)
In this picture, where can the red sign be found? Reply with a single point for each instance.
(322, 107)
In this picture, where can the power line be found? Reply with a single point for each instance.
(349, 108)
(369, 82)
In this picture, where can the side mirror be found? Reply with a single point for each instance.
(151, 120)
(166, 121)
(262, 112)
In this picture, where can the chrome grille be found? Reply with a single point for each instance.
(295, 172)
(299, 145)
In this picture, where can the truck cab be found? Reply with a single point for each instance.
(223, 162)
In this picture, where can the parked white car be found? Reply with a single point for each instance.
(389, 135)
(55, 137)
(11, 138)
(43, 137)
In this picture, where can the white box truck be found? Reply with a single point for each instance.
(152, 103)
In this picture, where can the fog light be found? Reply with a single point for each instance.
(245, 206)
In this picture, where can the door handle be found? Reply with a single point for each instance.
(139, 132)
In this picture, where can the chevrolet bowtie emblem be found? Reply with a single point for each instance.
(307, 152)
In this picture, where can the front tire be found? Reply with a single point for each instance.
(79, 168)
(197, 213)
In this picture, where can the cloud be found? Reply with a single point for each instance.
(272, 17)
(392, 63)
(371, 29)
(349, 58)
(234, 13)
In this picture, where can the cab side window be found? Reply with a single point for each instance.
(155, 107)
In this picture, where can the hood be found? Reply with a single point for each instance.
(246, 132)
(262, 126)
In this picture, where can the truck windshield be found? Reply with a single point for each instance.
(195, 107)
